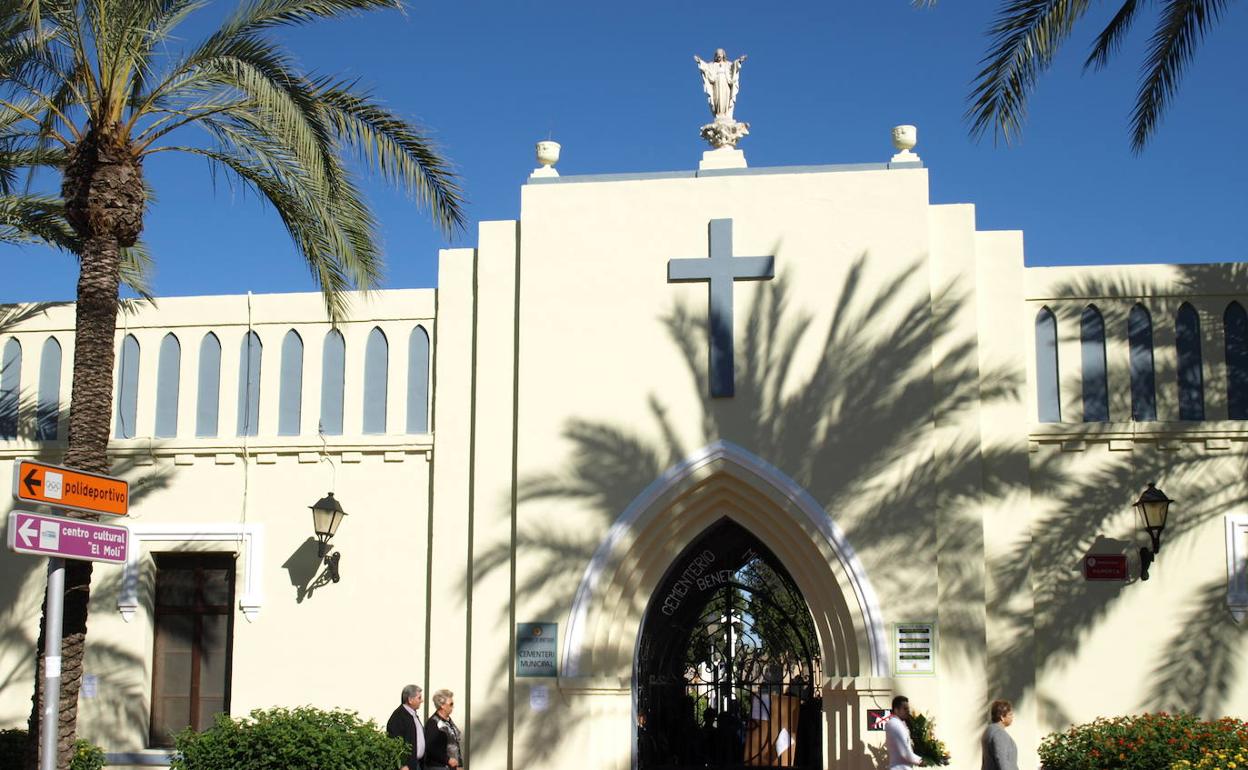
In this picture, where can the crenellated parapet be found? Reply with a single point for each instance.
(1151, 349)
(215, 376)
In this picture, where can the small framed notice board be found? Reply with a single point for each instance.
(536, 649)
(914, 649)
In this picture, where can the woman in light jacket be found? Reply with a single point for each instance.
(1000, 751)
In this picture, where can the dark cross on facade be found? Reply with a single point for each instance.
(720, 271)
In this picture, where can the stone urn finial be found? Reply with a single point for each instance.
(547, 157)
(904, 139)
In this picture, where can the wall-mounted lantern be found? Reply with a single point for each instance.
(1153, 507)
(327, 514)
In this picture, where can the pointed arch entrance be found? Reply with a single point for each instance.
(728, 662)
(724, 482)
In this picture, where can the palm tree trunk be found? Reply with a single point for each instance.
(91, 401)
(104, 197)
(90, 414)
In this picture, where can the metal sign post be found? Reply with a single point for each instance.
(50, 723)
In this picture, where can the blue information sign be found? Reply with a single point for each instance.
(535, 649)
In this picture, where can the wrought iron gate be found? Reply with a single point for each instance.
(728, 667)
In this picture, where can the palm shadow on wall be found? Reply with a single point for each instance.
(866, 406)
(19, 604)
(111, 661)
(1194, 671)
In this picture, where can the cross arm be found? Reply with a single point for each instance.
(754, 268)
(684, 270)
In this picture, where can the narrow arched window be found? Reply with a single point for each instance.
(1235, 320)
(1095, 374)
(1048, 392)
(208, 402)
(48, 408)
(333, 379)
(376, 375)
(290, 395)
(168, 374)
(418, 382)
(1143, 377)
(127, 388)
(249, 384)
(1191, 380)
(10, 387)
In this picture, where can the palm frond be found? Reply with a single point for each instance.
(1024, 38)
(278, 132)
(397, 150)
(30, 157)
(170, 14)
(27, 219)
(34, 218)
(1182, 27)
(1110, 40)
(261, 14)
(335, 241)
(136, 269)
(284, 101)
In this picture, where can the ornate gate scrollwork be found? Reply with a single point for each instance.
(728, 667)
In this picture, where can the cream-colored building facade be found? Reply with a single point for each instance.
(536, 440)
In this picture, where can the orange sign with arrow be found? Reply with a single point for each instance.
(54, 485)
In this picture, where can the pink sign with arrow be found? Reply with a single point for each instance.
(35, 533)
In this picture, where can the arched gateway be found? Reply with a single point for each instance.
(773, 546)
(728, 666)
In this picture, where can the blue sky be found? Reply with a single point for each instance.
(615, 83)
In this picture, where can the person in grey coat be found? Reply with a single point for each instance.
(1000, 751)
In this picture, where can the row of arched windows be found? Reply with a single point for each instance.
(48, 403)
(208, 391)
(1095, 375)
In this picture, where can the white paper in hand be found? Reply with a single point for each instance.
(783, 742)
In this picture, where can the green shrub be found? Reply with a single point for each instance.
(87, 756)
(289, 739)
(1144, 742)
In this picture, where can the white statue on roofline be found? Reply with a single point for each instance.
(721, 80)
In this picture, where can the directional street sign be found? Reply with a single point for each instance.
(35, 533)
(35, 482)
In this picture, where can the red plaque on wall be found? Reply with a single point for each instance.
(1105, 566)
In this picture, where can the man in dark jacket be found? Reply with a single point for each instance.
(405, 723)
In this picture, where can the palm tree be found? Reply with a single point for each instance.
(106, 84)
(1027, 33)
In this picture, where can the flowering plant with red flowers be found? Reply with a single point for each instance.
(1142, 742)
